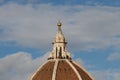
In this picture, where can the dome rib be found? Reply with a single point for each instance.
(55, 70)
(83, 73)
(75, 70)
(65, 71)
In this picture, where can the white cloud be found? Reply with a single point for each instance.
(116, 76)
(85, 27)
(114, 56)
(19, 66)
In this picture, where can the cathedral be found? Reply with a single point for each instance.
(60, 65)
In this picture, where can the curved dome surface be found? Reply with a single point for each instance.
(61, 70)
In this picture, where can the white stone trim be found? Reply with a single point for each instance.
(84, 70)
(78, 75)
(55, 69)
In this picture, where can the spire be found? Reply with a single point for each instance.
(59, 45)
(59, 38)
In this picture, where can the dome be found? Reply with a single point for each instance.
(61, 69)
(60, 65)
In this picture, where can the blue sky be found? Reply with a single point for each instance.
(91, 27)
(66, 2)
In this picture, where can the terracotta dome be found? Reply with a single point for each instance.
(60, 65)
(61, 69)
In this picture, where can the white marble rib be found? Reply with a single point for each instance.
(55, 69)
(74, 69)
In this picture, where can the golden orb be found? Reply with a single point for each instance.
(59, 24)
